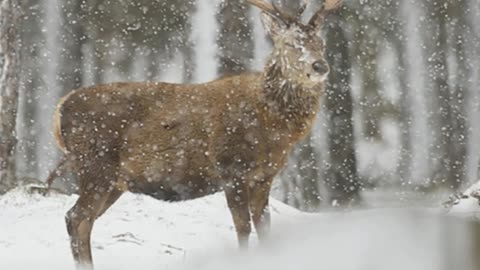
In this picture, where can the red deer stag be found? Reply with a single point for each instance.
(178, 142)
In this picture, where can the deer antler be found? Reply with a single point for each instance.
(328, 5)
(274, 10)
(302, 8)
(331, 4)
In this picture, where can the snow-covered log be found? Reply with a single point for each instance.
(466, 203)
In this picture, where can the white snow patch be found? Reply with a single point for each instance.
(144, 233)
(136, 230)
(467, 203)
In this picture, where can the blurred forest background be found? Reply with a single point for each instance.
(401, 115)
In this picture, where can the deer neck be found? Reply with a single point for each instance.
(288, 101)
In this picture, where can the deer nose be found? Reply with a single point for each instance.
(320, 67)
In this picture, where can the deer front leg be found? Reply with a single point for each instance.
(258, 195)
(237, 200)
(80, 221)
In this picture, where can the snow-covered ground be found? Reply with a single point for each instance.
(144, 233)
(137, 230)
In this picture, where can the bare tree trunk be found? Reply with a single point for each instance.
(307, 164)
(30, 82)
(457, 147)
(72, 39)
(300, 179)
(9, 55)
(474, 61)
(371, 105)
(438, 76)
(235, 39)
(289, 185)
(341, 175)
(442, 88)
(153, 69)
(188, 60)
(98, 63)
(406, 154)
(399, 37)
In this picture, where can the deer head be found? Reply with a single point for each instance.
(298, 48)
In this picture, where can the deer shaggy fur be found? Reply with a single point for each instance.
(178, 142)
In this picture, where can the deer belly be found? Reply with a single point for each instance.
(168, 175)
(185, 189)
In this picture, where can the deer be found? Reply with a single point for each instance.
(178, 142)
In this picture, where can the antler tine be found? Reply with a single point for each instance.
(302, 8)
(328, 5)
(273, 9)
(331, 4)
(285, 16)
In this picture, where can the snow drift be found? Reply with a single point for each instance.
(144, 233)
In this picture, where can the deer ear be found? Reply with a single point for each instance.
(272, 25)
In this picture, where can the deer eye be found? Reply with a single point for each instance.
(320, 67)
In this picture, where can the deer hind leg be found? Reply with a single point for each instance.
(93, 202)
(258, 200)
(237, 200)
(80, 220)
(60, 170)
